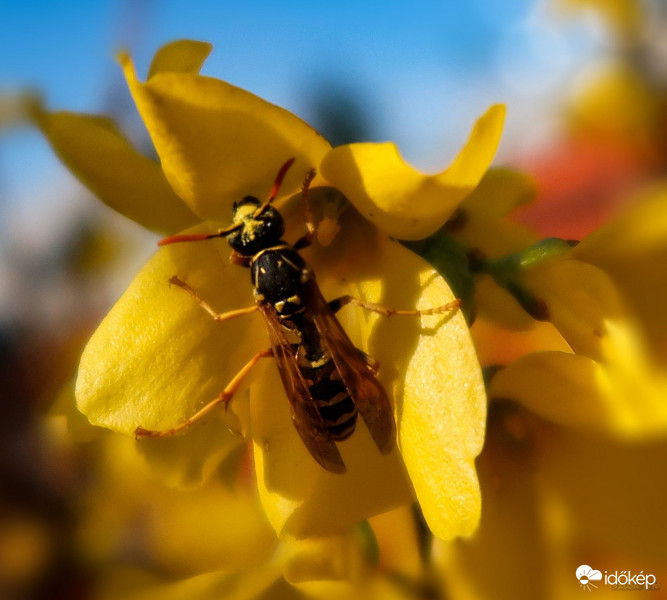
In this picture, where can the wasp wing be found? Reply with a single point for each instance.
(307, 420)
(359, 378)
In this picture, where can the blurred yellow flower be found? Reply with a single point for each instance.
(135, 187)
(632, 250)
(617, 104)
(128, 505)
(556, 498)
(600, 363)
(157, 357)
(610, 383)
(142, 539)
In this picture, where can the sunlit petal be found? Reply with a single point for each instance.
(483, 225)
(566, 388)
(402, 201)
(218, 143)
(621, 396)
(181, 56)
(157, 375)
(101, 157)
(579, 299)
(439, 393)
(632, 250)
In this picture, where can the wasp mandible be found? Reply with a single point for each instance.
(327, 379)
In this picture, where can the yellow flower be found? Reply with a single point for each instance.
(632, 250)
(556, 498)
(158, 357)
(609, 382)
(174, 522)
(126, 506)
(599, 362)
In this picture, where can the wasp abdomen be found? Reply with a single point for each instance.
(332, 399)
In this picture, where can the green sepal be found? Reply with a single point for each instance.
(368, 542)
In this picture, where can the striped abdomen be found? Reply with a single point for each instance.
(331, 397)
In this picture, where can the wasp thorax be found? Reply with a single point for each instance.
(257, 231)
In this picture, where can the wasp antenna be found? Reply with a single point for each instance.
(276, 186)
(196, 237)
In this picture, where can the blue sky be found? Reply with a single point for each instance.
(421, 71)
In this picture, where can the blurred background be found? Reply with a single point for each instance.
(583, 81)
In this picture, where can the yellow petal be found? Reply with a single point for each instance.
(334, 558)
(187, 461)
(632, 250)
(495, 304)
(439, 393)
(494, 237)
(181, 56)
(578, 468)
(158, 357)
(103, 160)
(566, 388)
(483, 225)
(621, 396)
(579, 298)
(618, 104)
(218, 143)
(174, 522)
(236, 531)
(499, 193)
(397, 539)
(639, 386)
(640, 231)
(399, 199)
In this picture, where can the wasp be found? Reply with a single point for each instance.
(327, 379)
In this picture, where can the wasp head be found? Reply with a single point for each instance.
(258, 229)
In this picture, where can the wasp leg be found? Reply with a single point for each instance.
(239, 312)
(307, 240)
(303, 242)
(224, 398)
(338, 303)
